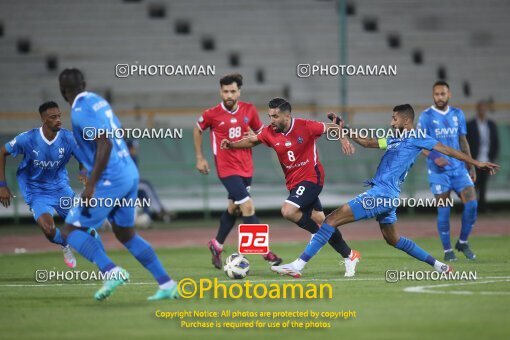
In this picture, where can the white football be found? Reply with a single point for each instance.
(143, 221)
(236, 266)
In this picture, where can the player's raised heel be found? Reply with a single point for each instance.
(163, 294)
(287, 269)
(118, 278)
(216, 253)
(272, 258)
(351, 262)
(69, 258)
(450, 256)
(464, 248)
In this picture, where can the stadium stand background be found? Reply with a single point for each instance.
(463, 42)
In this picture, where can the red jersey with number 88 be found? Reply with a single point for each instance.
(296, 150)
(225, 124)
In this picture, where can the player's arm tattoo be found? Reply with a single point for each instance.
(464, 147)
(455, 154)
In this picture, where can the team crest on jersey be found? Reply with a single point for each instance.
(288, 144)
(455, 120)
(300, 140)
(246, 120)
(61, 152)
(233, 120)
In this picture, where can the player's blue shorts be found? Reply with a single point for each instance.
(121, 189)
(456, 180)
(368, 205)
(305, 196)
(238, 188)
(49, 203)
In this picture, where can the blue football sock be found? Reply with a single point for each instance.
(144, 253)
(90, 248)
(95, 234)
(468, 219)
(443, 226)
(58, 239)
(253, 219)
(414, 250)
(318, 241)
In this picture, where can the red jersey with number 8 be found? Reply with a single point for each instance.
(297, 151)
(225, 124)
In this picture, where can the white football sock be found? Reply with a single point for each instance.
(298, 264)
(167, 285)
(438, 265)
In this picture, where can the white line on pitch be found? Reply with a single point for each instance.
(428, 289)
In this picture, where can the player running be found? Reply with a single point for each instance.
(112, 175)
(447, 124)
(42, 175)
(232, 119)
(293, 140)
(379, 201)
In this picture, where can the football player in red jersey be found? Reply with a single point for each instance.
(293, 140)
(232, 119)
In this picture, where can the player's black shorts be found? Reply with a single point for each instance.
(238, 188)
(305, 196)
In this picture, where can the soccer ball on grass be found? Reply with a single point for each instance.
(236, 266)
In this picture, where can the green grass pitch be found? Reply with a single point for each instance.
(473, 310)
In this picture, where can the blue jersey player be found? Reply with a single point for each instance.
(380, 200)
(112, 176)
(447, 124)
(42, 175)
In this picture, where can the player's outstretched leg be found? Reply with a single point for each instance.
(53, 234)
(469, 216)
(310, 219)
(145, 254)
(92, 249)
(340, 216)
(412, 249)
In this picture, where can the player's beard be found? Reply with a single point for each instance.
(230, 106)
(277, 129)
(441, 105)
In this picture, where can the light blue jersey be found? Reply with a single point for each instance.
(445, 127)
(89, 114)
(397, 161)
(392, 170)
(42, 175)
(43, 169)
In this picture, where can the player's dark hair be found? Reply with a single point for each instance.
(405, 110)
(48, 105)
(441, 83)
(232, 78)
(72, 79)
(280, 103)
